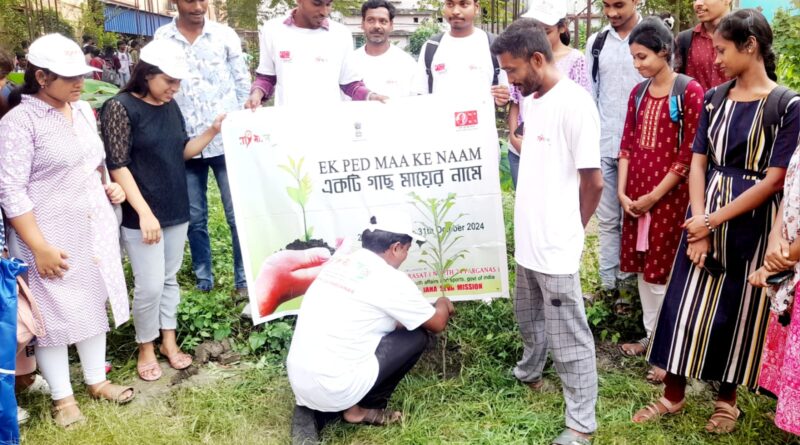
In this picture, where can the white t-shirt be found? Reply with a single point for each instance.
(390, 74)
(461, 66)
(562, 134)
(355, 301)
(310, 63)
(124, 62)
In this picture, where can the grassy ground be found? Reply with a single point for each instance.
(464, 395)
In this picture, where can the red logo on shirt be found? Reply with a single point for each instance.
(466, 118)
(439, 67)
(285, 55)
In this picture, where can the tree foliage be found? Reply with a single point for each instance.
(13, 24)
(786, 29)
(92, 24)
(420, 35)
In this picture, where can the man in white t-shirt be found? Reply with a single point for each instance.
(462, 62)
(362, 326)
(387, 69)
(305, 59)
(558, 191)
(124, 63)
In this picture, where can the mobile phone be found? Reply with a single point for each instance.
(780, 277)
(713, 266)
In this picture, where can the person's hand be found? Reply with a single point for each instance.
(287, 274)
(50, 261)
(501, 95)
(446, 303)
(643, 204)
(626, 203)
(759, 277)
(115, 193)
(217, 124)
(697, 251)
(151, 229)
(254, 100)
(696, 228)
(379, 97)
(777, 257)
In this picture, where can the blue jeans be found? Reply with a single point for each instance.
(513, 164)
(199, 243)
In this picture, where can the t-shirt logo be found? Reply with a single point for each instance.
(439, 68)
(285, 56)
(466, 118)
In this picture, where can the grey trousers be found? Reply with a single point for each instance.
(155, 268)
(609, 219)
(550, 313)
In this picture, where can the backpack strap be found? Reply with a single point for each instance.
(641, 88)
(495, 62)
(597, 46)
(677, 95)
(775, 106)
(684, 42)
(719, 95)
(430, 49)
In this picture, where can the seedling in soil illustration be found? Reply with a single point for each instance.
(438, 253)
(301, 193)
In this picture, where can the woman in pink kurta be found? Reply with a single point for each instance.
(51, 189)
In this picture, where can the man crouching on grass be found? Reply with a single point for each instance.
(363, 325)
(558, 189)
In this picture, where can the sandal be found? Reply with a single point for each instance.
(622, 307)
(62, 419)
(633, 350)
(657, 409)
(570, 437)
(723, 421)
(113, 393)
(655, 375)
(380, 417)
(149, 372)
(178, 360)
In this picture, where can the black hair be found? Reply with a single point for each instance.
(379, 241)
(739, 26)
(375, 4)
(108, 52)
(134, 44)
(564, 36)
(121, 43)
(138, 82)
(87, 38)
(29, 86)
(653, 34)
(522, 39)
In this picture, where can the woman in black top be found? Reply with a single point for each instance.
(146, 145)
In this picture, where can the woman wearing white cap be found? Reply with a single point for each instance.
(51, 188)
(147, 144)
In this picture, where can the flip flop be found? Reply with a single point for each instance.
(149, 372)
(178, 360)
(63, 420)
(643, 342)
(654, 410)
(652, 376)
(723, 421)
(113, 393)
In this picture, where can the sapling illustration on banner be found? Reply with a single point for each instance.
(301, 193)
(438, 253)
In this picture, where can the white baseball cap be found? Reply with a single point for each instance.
(168, 56)
(60, 55)
(394, 221)
(548, 12)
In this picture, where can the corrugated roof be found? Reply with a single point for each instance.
(133, 21)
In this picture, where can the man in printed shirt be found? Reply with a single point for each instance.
(220, 83)
(616, 77)
(700, 53)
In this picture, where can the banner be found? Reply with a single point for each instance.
(305, 178)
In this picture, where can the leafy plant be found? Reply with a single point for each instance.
(786, 29)
(436, 253)
(420, 35)
(204, 316)
(301, 193)
(95, 92)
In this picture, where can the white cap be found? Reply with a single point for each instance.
(168, 56)
(394, 221)
(58, 54)
(548, 12)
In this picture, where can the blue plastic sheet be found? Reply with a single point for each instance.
(9, 269)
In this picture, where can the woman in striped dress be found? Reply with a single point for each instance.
(712, 323)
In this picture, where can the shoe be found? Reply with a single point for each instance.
(304, 427)
(204, 286)
(246, 313)
(240, 294)
(39, 386)
(22, 416)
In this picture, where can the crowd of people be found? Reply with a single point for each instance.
(684, 149)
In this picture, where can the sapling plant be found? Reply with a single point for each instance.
(301, 193)
(438, 253)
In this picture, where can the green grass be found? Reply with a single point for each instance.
(478, 402)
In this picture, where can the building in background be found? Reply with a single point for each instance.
(767, 8)
(408, 17)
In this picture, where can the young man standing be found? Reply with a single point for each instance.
(220, 83)
(362, 326)
(387, 69)
(462, 63)
(609, 62)
(696, 47)
(124, 63)
(306, 59)
(558, 190)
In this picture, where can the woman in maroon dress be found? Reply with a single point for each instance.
(654, 159)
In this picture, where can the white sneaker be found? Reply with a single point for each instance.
(22, 416)
(246, 312)
(39, 386)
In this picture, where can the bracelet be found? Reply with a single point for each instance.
(708, 223)
(369, 94)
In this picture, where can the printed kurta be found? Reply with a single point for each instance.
(651, 145)
(50, 166)
(713, 328)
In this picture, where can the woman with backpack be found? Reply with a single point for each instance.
(654, 159)
(712, 323)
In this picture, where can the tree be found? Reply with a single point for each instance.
(786, 29)
(13, 24)
(92, 24)
(418, 38)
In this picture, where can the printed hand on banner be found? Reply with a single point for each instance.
(287, 274)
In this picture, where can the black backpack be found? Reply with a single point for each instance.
(774, 108)
(678, 91)
(683, 42)
(597, 46)
(433, 45)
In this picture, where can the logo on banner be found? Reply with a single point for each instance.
(285, 56)
(439, 68)
(249, 138)
(466, 119)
